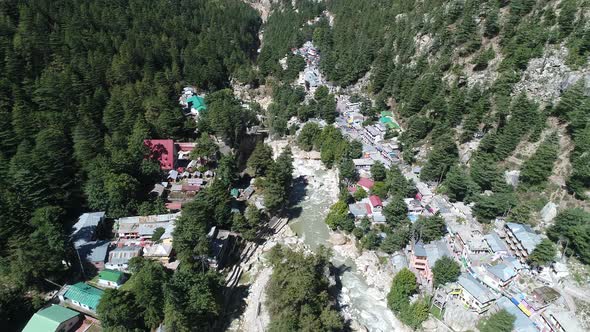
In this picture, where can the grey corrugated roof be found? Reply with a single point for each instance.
(495, 242)
(475, 288)
(525, 234)
(502, 271)
(522, 322)
(358, 209)
(433, 251)
(83, 230)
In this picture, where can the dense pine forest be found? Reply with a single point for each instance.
(82, 84)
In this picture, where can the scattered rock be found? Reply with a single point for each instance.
(338, 239)
(549, 212)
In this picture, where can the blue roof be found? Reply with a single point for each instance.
(513, 262)
(495, 242)
(475, 288)
(502, 271)
(522, 322)
(525, 234)
(419, 249)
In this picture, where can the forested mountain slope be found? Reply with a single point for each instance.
(459, 68)
(82, 83)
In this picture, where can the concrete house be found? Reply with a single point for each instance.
(521, 239)
(120, 256)
(53, 319)
(376, 204)
(159, 252)
(424, 256)
(474, 294)
(111, 278)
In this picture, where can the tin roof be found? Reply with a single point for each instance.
(84, 294)
(475, 288)
(110, 275)
(525, 234)
(49, 319)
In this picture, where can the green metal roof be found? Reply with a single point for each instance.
(84, 294)
(388, 122)
(387, 113)
(197, 102)
(110, 275)
(235, 192)
(48, 319)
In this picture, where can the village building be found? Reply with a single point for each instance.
(521, 239)
(81, 295)
(522, 323)
(373, 134)
(496, 245)
(414, 205)
(424, 256)
(220, 241)
(111, 278)
(163, 151)
(141, 228)
(379, 218)
(363, 163)
(467, 238)
(475, 295)
(160, 252)
(83, 237)
(359, 210)
(561, 320)
(120, 256)
(366, 183)
(501, 275)
(376, 204)
(53, 319)
(424, 194)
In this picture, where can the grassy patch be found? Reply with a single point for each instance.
(436, 312)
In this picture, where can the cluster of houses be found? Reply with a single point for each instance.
(186, 177)
(311, 77)
(491, 262)
(192, 104)
(491, 265)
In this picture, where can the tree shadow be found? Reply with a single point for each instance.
(296, 196)
(336, 289)
(234, 306)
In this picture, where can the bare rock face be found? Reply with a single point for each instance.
(546, 78)
(338, 239)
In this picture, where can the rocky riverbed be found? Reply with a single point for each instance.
(365, 278)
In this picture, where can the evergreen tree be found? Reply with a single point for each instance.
(543, 254)
(501, 321)
(538, 167)
(260, 159)
(445, 270)
(444, 154)
(378, 171)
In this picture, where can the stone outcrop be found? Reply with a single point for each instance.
(547, 77)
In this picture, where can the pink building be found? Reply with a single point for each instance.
(423, 256)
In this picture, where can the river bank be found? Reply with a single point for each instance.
(365, 278)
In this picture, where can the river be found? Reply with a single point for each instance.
(314, 197)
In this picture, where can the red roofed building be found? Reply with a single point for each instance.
(186, 187)
(376, 203)
(174, 206)
(161, 150)
(366, 183)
